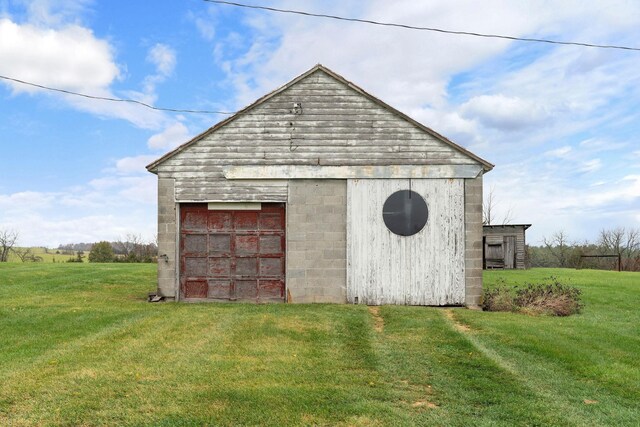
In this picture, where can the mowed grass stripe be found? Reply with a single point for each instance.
(204, 354)
(56, 308)
(587, 363)
(430, 361)
(541, 382)
(97, 354)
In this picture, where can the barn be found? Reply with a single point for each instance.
(320, 192)
(504, 246)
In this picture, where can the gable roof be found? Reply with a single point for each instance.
(152, 167)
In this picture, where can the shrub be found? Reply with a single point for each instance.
(553, 298)
(550, 298)
(101, 252)
(498, 299)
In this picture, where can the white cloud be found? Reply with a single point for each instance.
(103, 183)
(625, 191)
(54, 12)
(552, 201)
(174, 135)
(597, 144)
(141, 189)
(35, 199)
(204, 24)
(559, 152)
(574, 102)
(450, 124)
(134, 165)
(505, 112)
(138, 115)
(416, 66)
(591, 165)
(163, 57)
(412, 72)
(105, 209)
(37, 229)
(69, 58)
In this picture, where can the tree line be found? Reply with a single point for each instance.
(558, 250)
(131, 248)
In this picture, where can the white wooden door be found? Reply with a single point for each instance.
(424, 269)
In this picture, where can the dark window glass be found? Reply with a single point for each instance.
(405, 213)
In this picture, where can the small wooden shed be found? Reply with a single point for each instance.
(504, 246)
(320, 192)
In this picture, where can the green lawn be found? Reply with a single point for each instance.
(80, 346)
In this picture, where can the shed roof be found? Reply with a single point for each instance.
(152, 167)
(506, 225)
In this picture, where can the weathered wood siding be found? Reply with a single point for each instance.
(427, 268)
(511, 238)
(336, 126)
(509, 251)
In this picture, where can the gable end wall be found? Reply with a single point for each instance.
(337, 126)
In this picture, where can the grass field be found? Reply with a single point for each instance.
(80, 346)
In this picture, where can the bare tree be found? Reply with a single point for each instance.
(8, 239)
(136, 249)
(624, 242)
(23, 253)
(559, 247)
(26, 255)
(489, 210)
(129, 244)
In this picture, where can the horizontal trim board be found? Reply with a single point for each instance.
(205, 181)
(351, 172)
(317, 147)
(234, 206)
(231, 200)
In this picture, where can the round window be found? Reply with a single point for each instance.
(405, 213)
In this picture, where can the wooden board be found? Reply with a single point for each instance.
(509, 252)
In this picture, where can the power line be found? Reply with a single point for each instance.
(411, 27)
(105, 98)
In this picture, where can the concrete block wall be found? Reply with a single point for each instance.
(317, 241)
(473, 240)
(167, 283)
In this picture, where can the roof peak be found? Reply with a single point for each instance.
(485, 164)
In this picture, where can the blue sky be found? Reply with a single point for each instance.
(561, 123)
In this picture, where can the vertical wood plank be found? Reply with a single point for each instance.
(424, 269)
